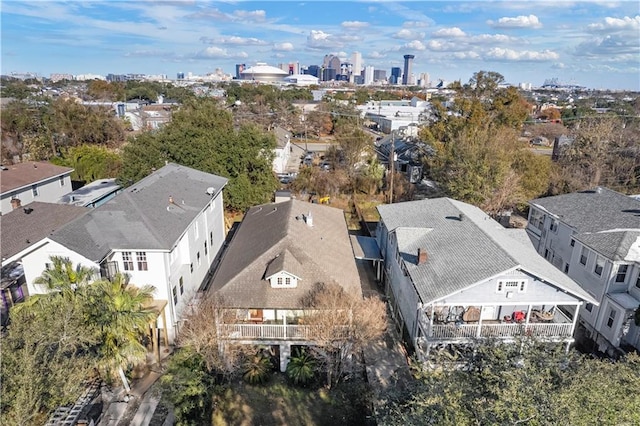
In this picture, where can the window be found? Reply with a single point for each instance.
(621, 276)
(536, 218)
(583, 256)
(191, 267)
(127, 261)
(47, 266)
(554, 226)
(599, 266)
(611, 319)
(211, 238)
(573, 243)
(519, 285)
(206, 249)
(279, 280)
(522, 286)
(198, 257)
(287, 281)
(500, 287)
(61, 180)
(638, 281)
(174, 292)
(181, 285)
(34, 190)
(588, 307)
(142, 260)
(566, 268)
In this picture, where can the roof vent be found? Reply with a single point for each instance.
(461, 217)
(309, 219)
(211, 190)
(27, 210)
(598, 190)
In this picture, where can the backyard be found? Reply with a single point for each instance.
(278, 402)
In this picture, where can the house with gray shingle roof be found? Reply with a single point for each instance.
(453, 275)
(22, 231)
(594, 237)
(278, 254)
(165, 230)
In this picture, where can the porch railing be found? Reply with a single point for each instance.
(276, 331)
(452, 331)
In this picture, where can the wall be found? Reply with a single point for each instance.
(49, 191)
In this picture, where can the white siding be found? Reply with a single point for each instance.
(49, 191)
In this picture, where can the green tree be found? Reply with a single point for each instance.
(202, 136)
(121, 315)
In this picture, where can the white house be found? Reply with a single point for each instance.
(453, 276)
(165, 230)
(594, 237)
(24, 183)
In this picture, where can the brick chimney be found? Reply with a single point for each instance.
(422, 256)
(15, 203)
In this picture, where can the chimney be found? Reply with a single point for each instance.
(309, 219)
(461, 217)
(15, 203)
(422, 256)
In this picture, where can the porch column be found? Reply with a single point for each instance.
(285, 354)
(284, 321)
(164, 329)
(433, 314)
(479, 331)
(575, 320)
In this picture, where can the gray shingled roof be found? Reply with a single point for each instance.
(19, 230)
(464, 247)
(605, 220)
(593, 211)
(322, 253)
(141, 217)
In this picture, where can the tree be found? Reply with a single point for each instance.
(121, 315)
(90, 162)
(527, 382)
(341, 324)
(202, 136)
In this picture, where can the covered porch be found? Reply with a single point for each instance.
(464, 323)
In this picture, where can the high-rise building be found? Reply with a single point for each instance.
(314, 70)
(368, 75)
(379, 75)
(180, 76)
(396, 72)
(406, 77)
(356, 68)
(239, 69)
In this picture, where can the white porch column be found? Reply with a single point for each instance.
(575, 320)
(284, 321)
(526, 320)
(433, 314)
(479, 331)
(285, 354)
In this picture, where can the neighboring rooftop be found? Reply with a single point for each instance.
(150, 214)
(282, 137)
(90, 193)
(27, 225)
(275, 237)
(595, 210)
(16, 176)
(464, 246)
(605, 220)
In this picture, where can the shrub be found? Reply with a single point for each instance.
(257, 369)
(301, 367)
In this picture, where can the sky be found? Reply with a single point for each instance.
(590, 43)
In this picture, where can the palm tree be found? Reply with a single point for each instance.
(63, 276)
(122, 316)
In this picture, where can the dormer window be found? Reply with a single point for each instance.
(283, 279)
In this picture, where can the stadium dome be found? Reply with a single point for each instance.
(301, 79)
(263, 72)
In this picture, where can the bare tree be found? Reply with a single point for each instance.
(341, 325)
(200, 333)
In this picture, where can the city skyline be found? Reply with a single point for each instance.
(592, 44)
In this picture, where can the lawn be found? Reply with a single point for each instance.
(279, 403)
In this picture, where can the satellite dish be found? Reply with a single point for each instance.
(211, 190)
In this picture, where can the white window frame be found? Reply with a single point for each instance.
(141, 260)
(584, 254)
(518, 285)
(127, 261)
(621, 273)
(599, 263)
(611, 319)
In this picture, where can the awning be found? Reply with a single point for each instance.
(365, 248)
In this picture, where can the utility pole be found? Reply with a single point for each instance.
(392, 160)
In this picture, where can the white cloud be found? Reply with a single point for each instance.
(214, 52)
(466, 55)
(234, 40)
(521, 21)
(415, 45)
(254, 15)
(354, 25)
(405, 34)
(610, 48)
(521, 55)
(617, 24)
(443, 46)
(376, 55)
(283, 47)
(449, 32)
(491, 38)
(415, 24)
(558, 66)
(319, 39)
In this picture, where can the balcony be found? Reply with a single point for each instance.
(542, 325)
(276, 332)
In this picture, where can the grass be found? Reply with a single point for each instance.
(279, 403)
